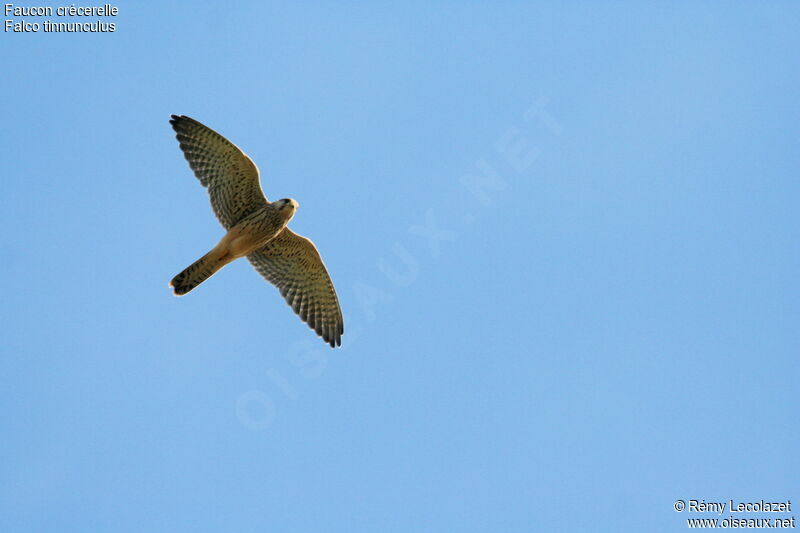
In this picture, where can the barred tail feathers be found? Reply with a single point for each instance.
(196, 273)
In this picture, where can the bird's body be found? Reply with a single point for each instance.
(256, 229)
(248, 235)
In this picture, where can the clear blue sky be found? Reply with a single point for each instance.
(605, 319)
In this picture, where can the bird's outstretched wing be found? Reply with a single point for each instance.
(293, 265)
(230, 176)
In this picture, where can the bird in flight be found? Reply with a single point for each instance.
(256, 229)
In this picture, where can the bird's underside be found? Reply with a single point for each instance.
(256, 229)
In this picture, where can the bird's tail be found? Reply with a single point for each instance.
(196, 273)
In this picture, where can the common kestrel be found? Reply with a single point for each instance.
(256, 228)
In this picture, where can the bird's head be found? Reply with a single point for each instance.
(286, 207)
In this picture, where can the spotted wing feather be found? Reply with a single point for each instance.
(291, 263)
(229, 175)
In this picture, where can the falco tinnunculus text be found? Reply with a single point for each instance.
(256, 228)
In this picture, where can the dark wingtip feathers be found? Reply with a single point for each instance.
(179, 122)
(333, 341)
